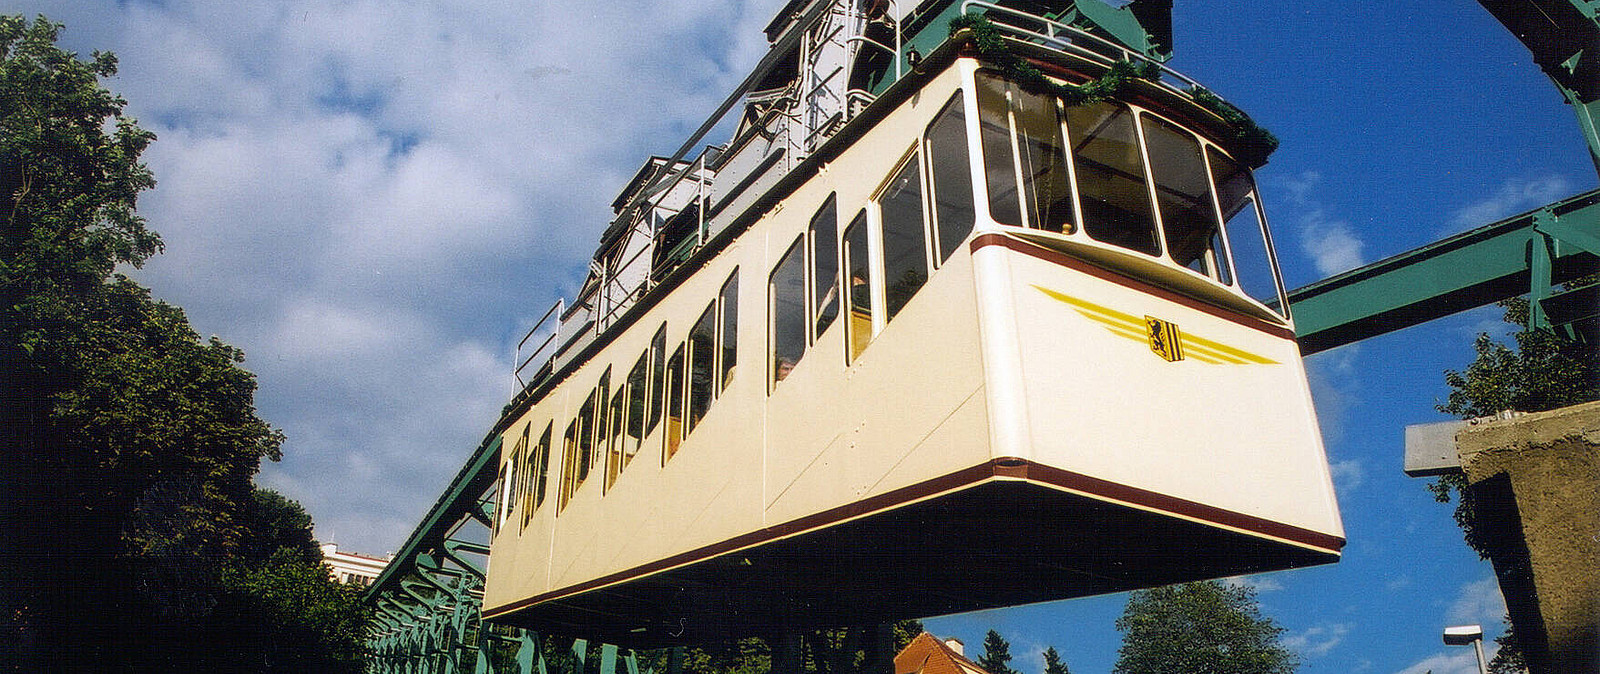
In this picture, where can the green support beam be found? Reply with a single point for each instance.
(1526, 253)
(459, 500)
(1564, 38)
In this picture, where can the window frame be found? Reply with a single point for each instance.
(1141, 116)
(875, 240)
(798, 246)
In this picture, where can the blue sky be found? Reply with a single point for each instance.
(376, 198)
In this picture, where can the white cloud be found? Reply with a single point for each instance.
(1336, 387)
(1330, 242)
(1258, 582)
(1515, 195)
(369, 197)
(1318, 640)
(1478, 602)
(1461, 661)
(1348, 473)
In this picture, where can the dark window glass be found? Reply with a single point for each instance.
(638, 385)
(541, 463)
(617, 439)
(1183, 193)
(525, 501)
(505, 489)
(1111, 182)
(658, 364)
(824, 267)
(905, 256)
(728, 304)
(858, 265)
(602, 423)
(586, 416)
(1253, 265)
(1042, 156)
(999, 156)
(514, 476)
(788, 290)
(952, 177)
(674, 402)
(702, 361)
(569, 462)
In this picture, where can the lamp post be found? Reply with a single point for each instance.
(1461, 635)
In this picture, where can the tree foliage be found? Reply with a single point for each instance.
(1545, 371)
(127, 443)
(1207, 627)
(843, 650)
(996, 654)
(1053, 663)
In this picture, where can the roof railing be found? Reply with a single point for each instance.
(1074, 40)
(555, 310)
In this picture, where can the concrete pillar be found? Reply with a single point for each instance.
(1535, 480)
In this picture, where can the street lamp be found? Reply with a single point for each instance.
(1461, 635)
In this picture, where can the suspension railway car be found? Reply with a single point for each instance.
(914, 345)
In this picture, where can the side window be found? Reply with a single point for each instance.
(1042, 156)
(951, 177)
(1183, 195)
(617, 440)
(858, 269)
(585, 450)
(523, 466)
(1022, 146)
(1253, 265)
(787, 288)
(541, 470)
(702, 360)
(569, 462)
(905, 254)
(728, 334)
(658, 365)
(999, 155)
(824, 236)
(513, 491)
(674, 394)
(1111, 181)
(638, 390)
(505, 501)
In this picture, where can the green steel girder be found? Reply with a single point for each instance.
(452, 595)
(1526, 253)
(1564, 38)
(457, 501)
(457, 550)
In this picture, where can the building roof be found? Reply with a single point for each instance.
(927, 654)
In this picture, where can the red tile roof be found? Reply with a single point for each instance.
(927, 654)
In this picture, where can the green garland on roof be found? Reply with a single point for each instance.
(1252, 144)
(993, 48)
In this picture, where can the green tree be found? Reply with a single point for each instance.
(1053, 663)
(134, 539)
(1206, 627)
(1545, 371)
(843, 650)
(996, 654)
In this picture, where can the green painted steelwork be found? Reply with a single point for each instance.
(1532, 251)
(1564, 37)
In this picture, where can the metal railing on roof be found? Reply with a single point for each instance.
(1071, 39)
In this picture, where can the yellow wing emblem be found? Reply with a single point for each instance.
(1162, 337)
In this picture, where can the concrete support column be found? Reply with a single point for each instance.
(1535, 480)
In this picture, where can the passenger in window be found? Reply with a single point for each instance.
(782, 369)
